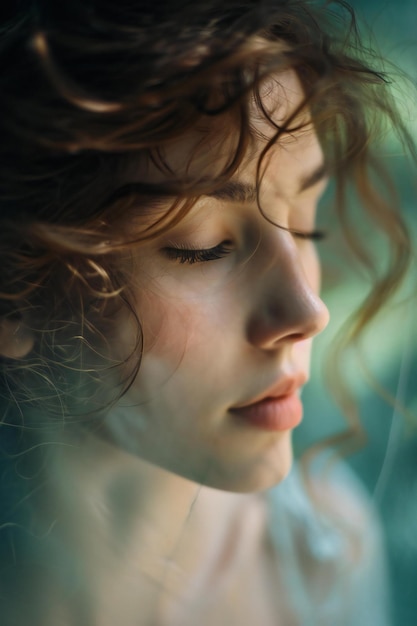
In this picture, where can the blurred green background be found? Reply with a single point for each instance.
(387, 463)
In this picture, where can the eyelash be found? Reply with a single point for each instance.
(314, 235)
(197, 255)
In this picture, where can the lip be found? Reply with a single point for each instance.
(273, 414)
(279, 408)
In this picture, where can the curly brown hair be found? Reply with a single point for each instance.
(91, 87)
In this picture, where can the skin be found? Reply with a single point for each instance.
(138, 514)
(219, 333)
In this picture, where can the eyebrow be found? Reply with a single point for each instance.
(236, 191)
(246, 193)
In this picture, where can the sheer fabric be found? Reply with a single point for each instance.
(331, 556)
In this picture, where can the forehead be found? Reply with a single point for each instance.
(207, 148)
(279, 99)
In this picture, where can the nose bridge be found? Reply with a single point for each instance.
(287, 305)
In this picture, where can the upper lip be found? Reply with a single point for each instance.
(284, 386)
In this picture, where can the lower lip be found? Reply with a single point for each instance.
(272, 414)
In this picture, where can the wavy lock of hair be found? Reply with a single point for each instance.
(89, 87)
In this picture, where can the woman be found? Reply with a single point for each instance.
(162, 167)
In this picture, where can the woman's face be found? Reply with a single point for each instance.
(229, 306)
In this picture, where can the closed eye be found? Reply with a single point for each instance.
(314, 235)
(190, 255)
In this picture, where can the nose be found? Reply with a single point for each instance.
(286, 306)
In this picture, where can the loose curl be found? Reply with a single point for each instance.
(91, 88)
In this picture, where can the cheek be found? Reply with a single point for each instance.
(171, 327)
(156, 331)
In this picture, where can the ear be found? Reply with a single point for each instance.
(16, 339)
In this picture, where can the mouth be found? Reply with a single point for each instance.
(277, 409)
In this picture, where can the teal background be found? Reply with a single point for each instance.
(387, 463)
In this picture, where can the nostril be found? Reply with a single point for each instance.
(297, 336)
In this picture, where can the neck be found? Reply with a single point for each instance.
(134, 536)
(144, 507)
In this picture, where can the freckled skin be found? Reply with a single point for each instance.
(136, 511)
(218, 333)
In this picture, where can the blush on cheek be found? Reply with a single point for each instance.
(168, 325)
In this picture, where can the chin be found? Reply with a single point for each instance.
(255, 475)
